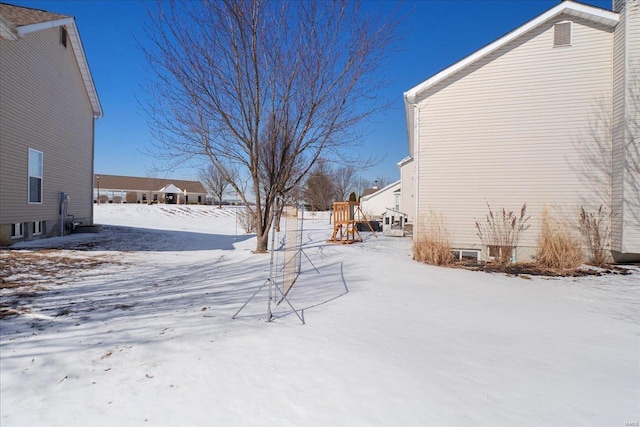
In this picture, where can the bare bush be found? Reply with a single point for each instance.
(501, 232)
(247, 220)
(433, 245)
(558, 248)
(595, 228)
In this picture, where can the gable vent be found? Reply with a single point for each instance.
(63, 36)
(562, 34)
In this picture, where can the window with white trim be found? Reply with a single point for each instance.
(37, 228)
(562, 34)
(496, 251)
(35, 176)
(17, 230)
(466, 254)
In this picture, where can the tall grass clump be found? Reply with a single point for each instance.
(558, 248)
(595, 228)
(501, 231)
(432, 245)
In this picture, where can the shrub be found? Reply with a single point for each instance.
(247, 220)
(433, 246)
(501, 232)
(595, 228)
(557, 246)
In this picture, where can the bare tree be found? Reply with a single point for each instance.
(264, 87)
(360, 184)
(319, 190)
(215, 181)
(344, 179)
(382, 181)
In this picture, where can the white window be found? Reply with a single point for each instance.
(37, 228)
(35, 176)
(17, 230)
(466, 254)
(562, 34)
(500, 251)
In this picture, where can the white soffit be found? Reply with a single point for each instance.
(405, 161)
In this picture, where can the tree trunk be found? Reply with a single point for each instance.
(262, 244)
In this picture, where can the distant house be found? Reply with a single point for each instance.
(547, 115)
(407, 187)
(374, 202)
(132, 189)
(48, 106)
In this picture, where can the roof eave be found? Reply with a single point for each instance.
(30, 28)
(382, 190)
(601, 16)
(7, 31)
(78, 49)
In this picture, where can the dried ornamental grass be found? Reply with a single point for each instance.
(433, 245)
(596, 231)
(501, 231)
(558, 248)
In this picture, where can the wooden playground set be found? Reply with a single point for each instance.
(346, 217)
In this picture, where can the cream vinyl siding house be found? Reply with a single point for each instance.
(527, 119)
(375, 204)
(48, 106)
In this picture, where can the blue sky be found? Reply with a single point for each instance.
(436, 34)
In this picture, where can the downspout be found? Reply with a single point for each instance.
(93, 160)
(415, 154)
(625, 123)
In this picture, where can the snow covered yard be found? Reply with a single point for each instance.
(133, 326)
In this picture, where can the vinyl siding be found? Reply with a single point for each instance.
(375, 205)
(407, 198)
(44, 105)
(631, 182)
(617, 130)
(519, 126)
(626, 113)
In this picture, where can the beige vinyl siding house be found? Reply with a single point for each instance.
(527, 119)
(47, 108)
